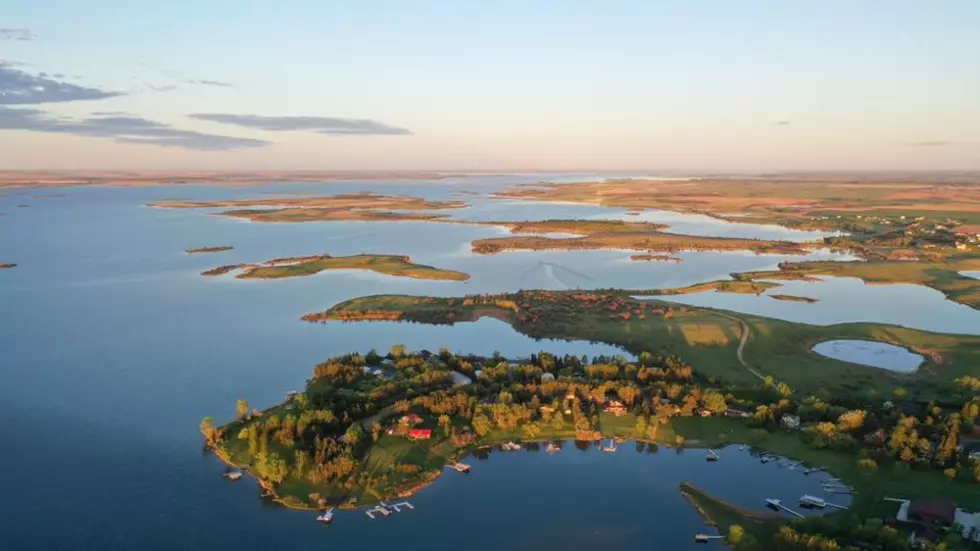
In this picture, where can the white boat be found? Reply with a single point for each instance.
(712, 456)
(326, 517)
(812, 502)
(233, 475)
(611, 447)
(510, 446)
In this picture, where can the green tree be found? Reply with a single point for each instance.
(209, 431)
(372, 358)
(375, 431)
(714, 402)
(398, 350)
(735, 534)
(241, 409)
(481, 424)
(558, 421)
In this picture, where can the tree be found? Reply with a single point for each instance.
(558, 421)
(375, 431)
(867, 463)
(481, 424)
(714, 402)
(851, 420)
(950, 473)
(398, 350)
(445, 424)
(354, 435)
(209, 431)
(241, 409)
(735, 534)
(372, 358)
(532, 430)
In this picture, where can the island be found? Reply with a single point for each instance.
(201, 250)
(298, 266)
(655, 258)
(363, 207)
(7, 265)
(794, 298)
(370, 428)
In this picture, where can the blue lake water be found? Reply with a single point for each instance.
(113, 349)
(875, 354)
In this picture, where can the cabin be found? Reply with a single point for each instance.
(737, 413)
(876, 438)
(929, 513)
(615, 407)
(419, 434)
(411, 419)
(791, 422)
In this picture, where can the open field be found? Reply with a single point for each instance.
(37, 178)
(705, 338)
(393, 265)
(652, 241)
(779, 199)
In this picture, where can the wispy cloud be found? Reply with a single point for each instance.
(928, 143)
(319, 125)
(784, 123)
(16, 34)
(123, 129)
(205, 82)
(21, 88)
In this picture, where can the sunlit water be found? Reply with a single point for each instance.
(114, 347)
(875, 354)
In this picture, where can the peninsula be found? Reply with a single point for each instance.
(298, 266)
(201, 250)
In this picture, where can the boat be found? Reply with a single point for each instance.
(326, 517)
(510, 446)
(768, 457)
(552, 448)
(233, 475)
(611, 447)
(812, 502)
(712, 456)
(741, 448)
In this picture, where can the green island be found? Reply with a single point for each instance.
(298, 266)
(794, 298)
(201, 250)
(656, 257)
(710, 340)
(370, 428)
(347, 207)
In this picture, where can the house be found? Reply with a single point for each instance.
(791, 422)
(411, 419)
(929, 513)
(419, 434)
(876, 438)
(615, 407)
(737, 413)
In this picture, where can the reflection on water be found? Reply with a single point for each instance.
(875, 354)
(846, 299)
(114, 348)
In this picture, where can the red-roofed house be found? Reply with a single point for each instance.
(419, 434)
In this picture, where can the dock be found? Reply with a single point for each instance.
(712, 456)
(386, 510)
(460, 467)
(776, 504)
(705, 538)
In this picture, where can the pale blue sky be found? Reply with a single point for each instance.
(682, 85)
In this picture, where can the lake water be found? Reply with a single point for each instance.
(114, 347)
(875, 354)
(974, 275)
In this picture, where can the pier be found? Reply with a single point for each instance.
(776, 504)
(712, 456)
(705, 538)
(460, 467)
(386, 510)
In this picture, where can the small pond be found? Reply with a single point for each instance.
(875, 354)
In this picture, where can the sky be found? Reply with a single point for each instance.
(692, 85)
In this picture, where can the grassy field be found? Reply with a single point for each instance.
(393, 265)
(707, 339)
(942, 276)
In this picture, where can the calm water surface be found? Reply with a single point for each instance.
(114, 348)
(875, 354)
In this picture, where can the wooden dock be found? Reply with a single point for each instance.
(776, 504)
